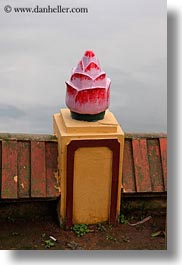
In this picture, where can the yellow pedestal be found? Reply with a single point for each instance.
(90, 168)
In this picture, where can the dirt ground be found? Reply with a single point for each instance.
(33, 233)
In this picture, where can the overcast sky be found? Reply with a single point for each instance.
(38, 51)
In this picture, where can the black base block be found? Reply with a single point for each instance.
(87, 117)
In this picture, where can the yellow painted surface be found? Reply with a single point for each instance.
(108, 124)
(92, 176)
(92, 185)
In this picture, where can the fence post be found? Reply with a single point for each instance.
(90, 156)
(90, 148)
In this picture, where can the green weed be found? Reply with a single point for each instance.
(80, 229)
(49, 243)
(101, 227)
(110, 237)
(123, 219)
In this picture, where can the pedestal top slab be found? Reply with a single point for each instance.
(108, 125)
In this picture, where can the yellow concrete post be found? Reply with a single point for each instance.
(90, 168)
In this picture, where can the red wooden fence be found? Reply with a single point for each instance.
(28, 165)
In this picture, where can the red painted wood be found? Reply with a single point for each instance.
(9, 170)
(38, 169)
(114, 146)
(128, 168)
(155, 165)
(51, 169)
(163, 149)
(141, 165)
(24, 169)
(69, 184)
(41, 164)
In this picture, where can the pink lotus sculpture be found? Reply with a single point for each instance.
(88, 90)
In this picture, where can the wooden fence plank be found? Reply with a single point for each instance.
(52, 189)
(145, 162)
(38, 169)
(155, 165)
(163, 149)
(141, 165)
(23, 169)
(128, 179)
(9, 185)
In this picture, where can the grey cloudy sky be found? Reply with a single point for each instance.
(38, 51)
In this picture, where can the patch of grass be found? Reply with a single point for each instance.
(110, 237)
(80, 229)
(123, 219)
(49, 243)
(110, 227)
(125, 239)
(101, 227)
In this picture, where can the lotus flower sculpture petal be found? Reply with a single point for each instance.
(88, 90)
